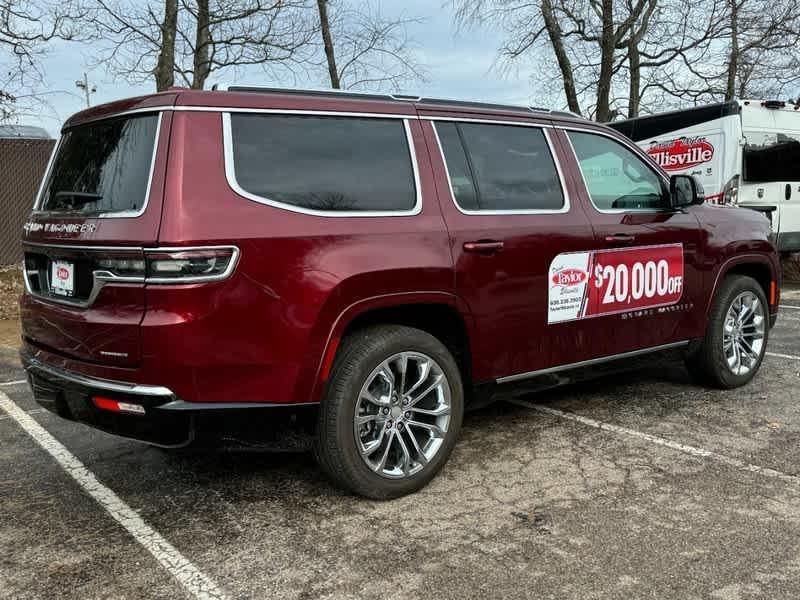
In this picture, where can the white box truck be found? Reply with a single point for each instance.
(744, 152)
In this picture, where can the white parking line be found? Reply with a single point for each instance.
(10, 383)
(659, 441)
(189, 576)
(778, 355)
(788, 306)
(33, 411)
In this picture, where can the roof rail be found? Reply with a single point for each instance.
(395, 97)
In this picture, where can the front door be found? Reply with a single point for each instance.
(646, 285)
(509, 214)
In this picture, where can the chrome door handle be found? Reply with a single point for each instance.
(621, 238)
(483, 246)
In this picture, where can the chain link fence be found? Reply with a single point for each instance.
(22, 165)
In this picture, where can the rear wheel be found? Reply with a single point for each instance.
(391, 413)
(736, 335)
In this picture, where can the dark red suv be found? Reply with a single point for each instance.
(387, 260)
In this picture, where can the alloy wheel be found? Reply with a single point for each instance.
(743, 333)
(402, 414)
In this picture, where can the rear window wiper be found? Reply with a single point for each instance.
(78, 198)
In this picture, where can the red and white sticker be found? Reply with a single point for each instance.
(62, 278)
(682, 153)
(606, 282)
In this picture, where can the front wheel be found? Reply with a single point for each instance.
(391, 413)
(736, 335)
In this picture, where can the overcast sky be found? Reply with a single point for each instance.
(459, 65)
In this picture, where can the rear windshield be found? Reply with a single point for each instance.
(102, 167)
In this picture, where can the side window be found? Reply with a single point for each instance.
(324, 163)
(457, 166)
(771, 156)
(500, 167)
(616, 178)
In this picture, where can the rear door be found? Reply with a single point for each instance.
(646, 286)
(509, 213)
(99, 205)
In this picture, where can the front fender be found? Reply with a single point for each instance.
(743, 259)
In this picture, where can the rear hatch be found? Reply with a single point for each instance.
(99, 206)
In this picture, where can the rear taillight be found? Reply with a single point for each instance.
(121, 266)
(730, 193)
(171, 265)
(190, 265)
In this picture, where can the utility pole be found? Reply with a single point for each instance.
(84, 85)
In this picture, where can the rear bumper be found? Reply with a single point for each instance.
(70, 395)
(165, 420)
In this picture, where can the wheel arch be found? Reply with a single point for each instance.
(757, 266)
(441, 314)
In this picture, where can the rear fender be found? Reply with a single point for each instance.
(317, 367)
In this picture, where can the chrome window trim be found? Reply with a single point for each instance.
(590, 362)
(102, 277)
(127, 214)
(635, 149)
(532, 211)
(487, 121)
(37, 199)
(230, 175)
(137, 389)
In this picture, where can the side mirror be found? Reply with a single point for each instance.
(685, 190)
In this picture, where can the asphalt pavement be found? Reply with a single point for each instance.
(635, 486)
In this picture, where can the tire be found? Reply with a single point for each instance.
(710, 363)
(360, 366)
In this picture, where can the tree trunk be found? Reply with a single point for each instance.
(201, 47)
(564, 64)
(165, 67)
(607, 46)
(325, 28)
(733, 58)
(634, 90)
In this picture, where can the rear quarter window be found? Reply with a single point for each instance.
(323, 164)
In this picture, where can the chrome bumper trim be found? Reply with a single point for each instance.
(33, 365)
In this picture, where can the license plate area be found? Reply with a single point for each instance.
(62, 278)
(42, 279)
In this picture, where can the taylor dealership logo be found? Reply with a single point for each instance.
(569, 277)
(683, 153)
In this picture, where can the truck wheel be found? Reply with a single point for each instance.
(391, 413)
(736, 335)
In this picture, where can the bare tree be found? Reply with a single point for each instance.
(752, 52)
(26, 28)
(585, 38)
(189, 40)
(618, 56)
(327, 42)
(164, 71)
(373, 51)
